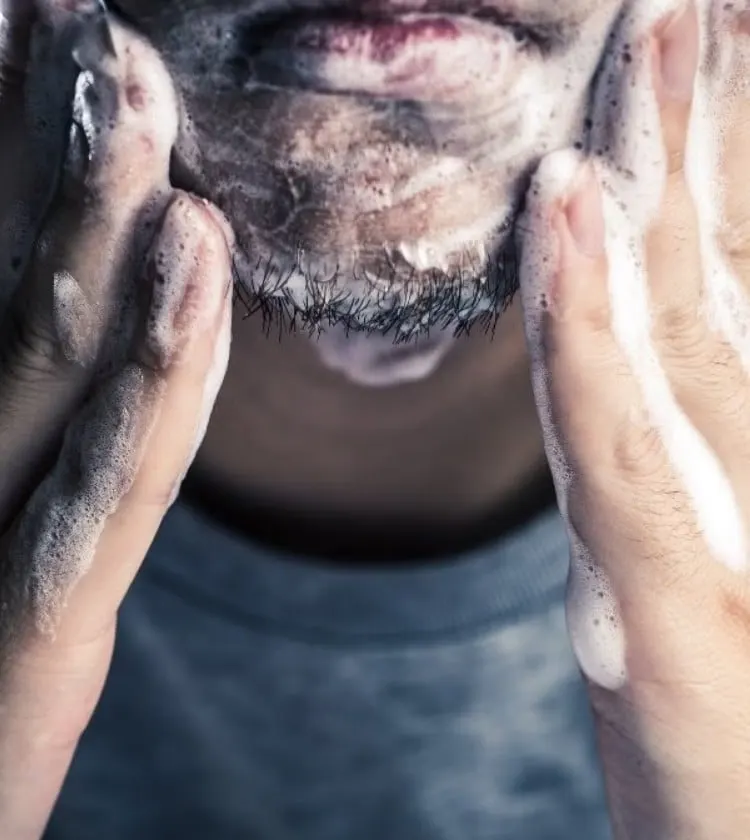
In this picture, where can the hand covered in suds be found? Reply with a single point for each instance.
(636, 285)
(115, 299)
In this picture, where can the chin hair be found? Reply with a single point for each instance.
(291, 297)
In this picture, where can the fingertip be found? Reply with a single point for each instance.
(675, 50)
(218, 218)
(583, 213)
(189, 272)
(578, 283)
(564, 242)
(677, 54)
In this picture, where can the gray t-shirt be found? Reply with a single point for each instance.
(256, 696)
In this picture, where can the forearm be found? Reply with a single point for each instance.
(46, 701)
(29, 785)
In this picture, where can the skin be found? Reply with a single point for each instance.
(673, 738)
(292, 461)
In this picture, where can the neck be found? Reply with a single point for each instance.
(298, 457)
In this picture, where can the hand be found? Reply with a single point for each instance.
(115, 334)
(636, 280)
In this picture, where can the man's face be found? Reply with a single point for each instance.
(372, 154)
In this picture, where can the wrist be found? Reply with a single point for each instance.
(676, 764)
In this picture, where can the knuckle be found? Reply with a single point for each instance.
(571, 350)
(597, 319)
(734, 610)
(681, 332)
(716, 386)
(727, 383)
(734, 241)
(638, 453)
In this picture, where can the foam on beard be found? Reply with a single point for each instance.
(374, 361)
(633, 171)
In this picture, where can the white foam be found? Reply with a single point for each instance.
(56, 540)
(189, 270)
(632, 170)
(192, 262)
(76, 320)
(58, 534)
(630, 206)
(135, 134)
(432, 252)
(368, 359)
(593, 614)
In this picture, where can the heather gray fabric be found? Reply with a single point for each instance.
(259, 697)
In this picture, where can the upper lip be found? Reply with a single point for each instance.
(282, 13)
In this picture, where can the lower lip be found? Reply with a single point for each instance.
(418, 56)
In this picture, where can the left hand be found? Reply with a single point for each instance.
(636, 285)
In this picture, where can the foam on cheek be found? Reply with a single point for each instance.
(58, 534)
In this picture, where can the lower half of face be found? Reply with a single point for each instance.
(373, 169)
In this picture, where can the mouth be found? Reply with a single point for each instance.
(423, 51)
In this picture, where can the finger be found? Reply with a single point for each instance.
(73, 315)
(132, 440)
(707, 376)
(675, 266)
(631, 521)
(730, 92)
(91, 521)
(36, 116)
(613, 449)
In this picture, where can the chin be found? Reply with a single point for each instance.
(371, 360)
(372, 155)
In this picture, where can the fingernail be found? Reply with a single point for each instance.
(583, 213)
(220, 219)
(679, 53)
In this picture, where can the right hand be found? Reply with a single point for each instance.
(106, 377)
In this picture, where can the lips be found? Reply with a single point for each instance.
(386, 50)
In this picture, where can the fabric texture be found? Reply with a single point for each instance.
(259, 696)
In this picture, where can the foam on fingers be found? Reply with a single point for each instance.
(59, 530)
(189, 269)
(594, 623)
(104, 447)
(188, 272)
(634, 175)
(626, 141)
(115, 185)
